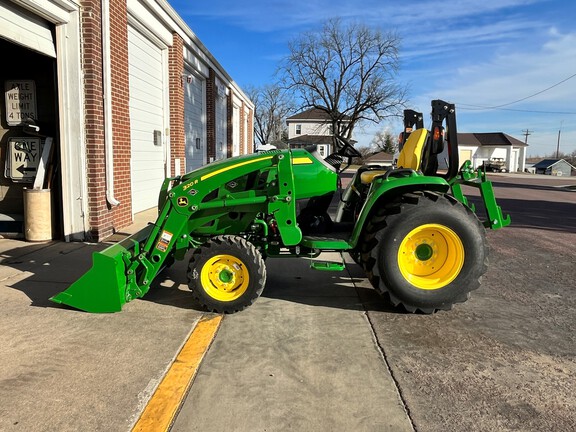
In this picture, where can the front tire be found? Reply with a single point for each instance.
(425, 251)
(226, 274)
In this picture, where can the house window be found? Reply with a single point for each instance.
(298, 129)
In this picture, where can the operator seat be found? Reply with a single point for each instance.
(410, 157)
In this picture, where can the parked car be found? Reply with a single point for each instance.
(494, 165)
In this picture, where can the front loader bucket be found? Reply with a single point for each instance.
(103, 288)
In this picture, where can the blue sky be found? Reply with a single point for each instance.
(473, 53)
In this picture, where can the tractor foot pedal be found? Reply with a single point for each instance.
(327, 265)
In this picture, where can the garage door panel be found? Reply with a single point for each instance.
(144, 181)
(194, 126)
(145, 184)
(143, 119)
(146, 71)
(140, 48)
(145, 94)
(146, 115)
(24, 28)
(145, 63)
(221, 126)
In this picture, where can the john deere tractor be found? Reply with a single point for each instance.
(410, 226)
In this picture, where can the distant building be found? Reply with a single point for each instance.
(311, 127)
(380, 158)
(480, 148)
(554, 167)
(485, 147)
(265, 147)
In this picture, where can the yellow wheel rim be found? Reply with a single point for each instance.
(431, 256)
(224, 278)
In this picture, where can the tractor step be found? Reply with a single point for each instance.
(327, 265)
(324, 243)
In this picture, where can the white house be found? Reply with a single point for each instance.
(311, 127)
(485, 147)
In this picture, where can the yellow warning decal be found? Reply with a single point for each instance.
(301, 161)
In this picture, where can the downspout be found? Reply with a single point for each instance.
(107, 96)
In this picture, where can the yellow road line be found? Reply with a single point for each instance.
(165, 402)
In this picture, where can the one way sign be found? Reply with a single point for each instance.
(23, 158)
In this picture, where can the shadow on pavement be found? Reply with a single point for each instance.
(545, 215)
(41, 271)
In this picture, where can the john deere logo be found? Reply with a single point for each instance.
(182, 201)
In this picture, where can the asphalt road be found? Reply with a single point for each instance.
(506, 359)
(302, 358)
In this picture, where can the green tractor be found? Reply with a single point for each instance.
(410, 226)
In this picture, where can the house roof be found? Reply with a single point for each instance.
(312, 114)
(380, 157)
(547, 163)
(312, 139)
(496, 139)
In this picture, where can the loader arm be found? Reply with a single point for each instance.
(206, 202)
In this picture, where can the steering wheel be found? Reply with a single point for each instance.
(347, 149)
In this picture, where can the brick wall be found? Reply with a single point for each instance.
(120, 112)
(99, 216)
(104, 220)
(177, 134)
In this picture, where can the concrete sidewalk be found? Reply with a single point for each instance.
(66, 370)
(303, 357)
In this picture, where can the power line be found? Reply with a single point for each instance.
(536, 94)
(481, 108)
(523, 99)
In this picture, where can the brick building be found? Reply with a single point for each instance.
(129, 95)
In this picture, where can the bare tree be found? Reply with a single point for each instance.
(272, 105)
(365, 152)
(384, 141)
(347, 71)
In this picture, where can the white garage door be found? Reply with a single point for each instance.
(221, 124)
(236, 130)
(146, 119)
(194, 122)
(24, 28)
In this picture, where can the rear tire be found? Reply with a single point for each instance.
(226, 274)
(425, 251)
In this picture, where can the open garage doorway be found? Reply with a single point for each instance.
(28, 115)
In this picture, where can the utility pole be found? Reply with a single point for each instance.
(558, 144)
(526, 133)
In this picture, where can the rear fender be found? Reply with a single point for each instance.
(384, 190)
